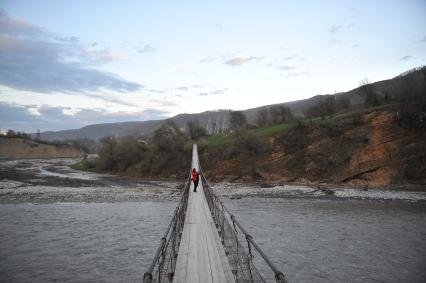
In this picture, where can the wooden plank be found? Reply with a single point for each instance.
(193, 261)
(221, 271)
(217, 271)
(182, 261)
(201, 257)
(204, 268)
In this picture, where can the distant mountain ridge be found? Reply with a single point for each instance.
(393, 87)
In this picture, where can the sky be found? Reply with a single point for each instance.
(67, 64)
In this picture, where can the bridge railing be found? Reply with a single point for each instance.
(240, 247)
(163, 265)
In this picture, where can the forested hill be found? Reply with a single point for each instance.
(387, 89)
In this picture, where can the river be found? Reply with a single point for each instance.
(101, 228)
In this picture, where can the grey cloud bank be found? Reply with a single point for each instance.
(35, 60)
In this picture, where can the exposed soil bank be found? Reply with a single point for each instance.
(371, 151)
(19, 148)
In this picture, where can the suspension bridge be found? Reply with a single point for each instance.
(204, 242)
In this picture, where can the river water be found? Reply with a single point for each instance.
(108, 230)
(331, 240)
(80, 242)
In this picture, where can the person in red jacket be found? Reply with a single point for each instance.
(194, 178)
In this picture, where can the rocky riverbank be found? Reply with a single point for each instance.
(52, 180)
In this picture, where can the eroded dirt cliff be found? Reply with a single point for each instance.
(24, 148)
(371, 150)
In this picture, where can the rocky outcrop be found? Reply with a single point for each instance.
(18, 148)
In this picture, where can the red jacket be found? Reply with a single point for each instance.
(194, 176)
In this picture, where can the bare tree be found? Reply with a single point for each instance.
(371, 96)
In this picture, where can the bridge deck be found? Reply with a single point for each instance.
(201, 256)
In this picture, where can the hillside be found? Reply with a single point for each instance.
(98, 131)
(358, 150)
(380, 143)
(392, 88)
(16, 148)
(368, 148)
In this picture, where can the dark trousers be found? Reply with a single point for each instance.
(195, 185)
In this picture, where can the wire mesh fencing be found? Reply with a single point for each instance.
(240, 248)
(163, 265)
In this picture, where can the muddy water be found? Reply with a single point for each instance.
(80, 242)
(332, 240)
(57, 224)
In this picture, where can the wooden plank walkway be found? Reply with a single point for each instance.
(201, 256)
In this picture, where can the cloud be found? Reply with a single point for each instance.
(99, 56)
(289, 70)
(294, 57)
(108, 98)
(240, 60)
(355, 45)
(146, 49)
(334, 28)
(162, 103)
(29, 118)
(223, 57)
(423, 39)
(189, 87)
(406, 57)
(155, 90)
(285, 67)
(198, 86)
(287, 64)
(296, 74)
(36, 60)
(214, 92)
